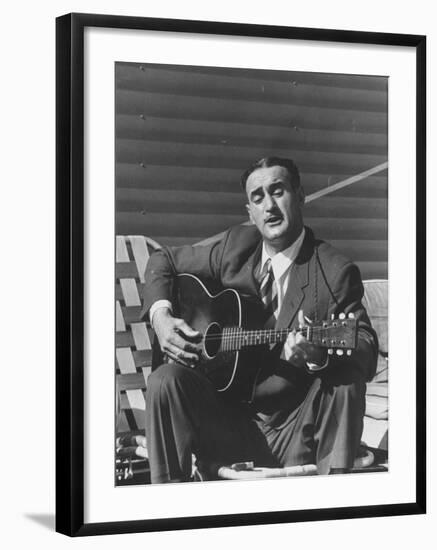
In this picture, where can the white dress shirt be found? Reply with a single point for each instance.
(281, 265)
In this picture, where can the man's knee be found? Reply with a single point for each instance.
(164, 374)
(170, 377)
(345, 378)
(343, 384)
(161, 386)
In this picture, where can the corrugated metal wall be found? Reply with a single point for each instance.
(185, 134)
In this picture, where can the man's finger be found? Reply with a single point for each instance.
(182, 356)
(183, 344)
(187, 330)
(301, 318)
(287, 351)
(172, 358)
(291, 339)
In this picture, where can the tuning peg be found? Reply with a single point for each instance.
(332, 316)
(349, 352)
(351, 315)
(339, 352)
(330, 351)
(342, 316)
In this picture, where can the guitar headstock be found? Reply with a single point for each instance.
(338, 335)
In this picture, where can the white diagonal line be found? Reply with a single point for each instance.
(313, 196)
(346, 182)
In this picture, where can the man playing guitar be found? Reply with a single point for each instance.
(304, 405)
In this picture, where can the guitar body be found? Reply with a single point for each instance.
(233, 372)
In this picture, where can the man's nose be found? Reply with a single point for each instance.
(269, 202)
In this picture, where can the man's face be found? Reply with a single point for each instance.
(274, 206)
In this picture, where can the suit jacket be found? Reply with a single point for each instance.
(322, 282)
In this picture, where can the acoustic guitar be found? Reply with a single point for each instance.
(233, 347)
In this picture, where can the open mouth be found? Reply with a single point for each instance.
(273, 220)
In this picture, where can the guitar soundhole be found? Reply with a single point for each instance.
(212, 340)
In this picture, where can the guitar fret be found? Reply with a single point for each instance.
(235, 338)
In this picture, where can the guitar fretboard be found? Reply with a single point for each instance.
(235, 338)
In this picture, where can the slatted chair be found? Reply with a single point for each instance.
(134, 359)
(375, 434)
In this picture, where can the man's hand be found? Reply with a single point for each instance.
(176, 338)
(299, 351)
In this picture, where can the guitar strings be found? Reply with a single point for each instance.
(261, 333)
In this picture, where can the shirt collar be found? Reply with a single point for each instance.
(283, 260)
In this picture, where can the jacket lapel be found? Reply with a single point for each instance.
(297, 282)
(251, 270)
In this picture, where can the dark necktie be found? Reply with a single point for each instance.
(269, 294)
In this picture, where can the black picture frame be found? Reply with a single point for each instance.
(70, 272)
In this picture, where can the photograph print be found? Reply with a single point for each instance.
(251, 274)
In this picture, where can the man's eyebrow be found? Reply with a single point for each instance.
(273, 185)
(276, 183)
(256, 191)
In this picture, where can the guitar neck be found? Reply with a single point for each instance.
(339, 334)
(234, 339)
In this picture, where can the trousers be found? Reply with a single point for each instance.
(186, 416)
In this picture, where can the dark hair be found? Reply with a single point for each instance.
(268, 162)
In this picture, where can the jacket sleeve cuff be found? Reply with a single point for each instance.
(314, 367)
(158, 305)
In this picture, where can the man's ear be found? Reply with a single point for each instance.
(249, 213)
(301, 195)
